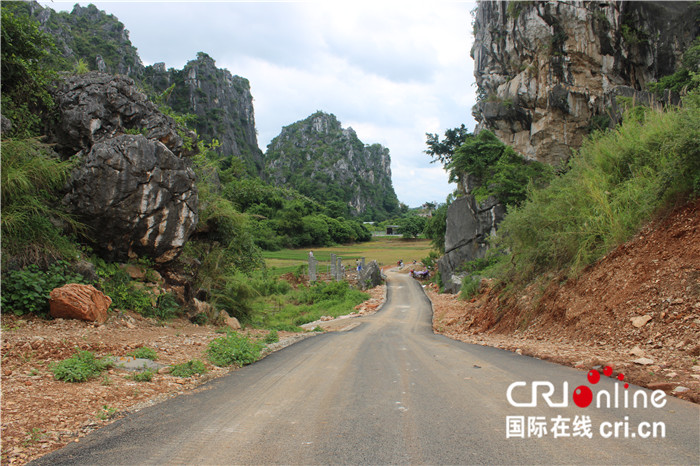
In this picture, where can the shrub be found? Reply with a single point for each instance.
(27, 290)
(188, 369)
(144, 353)
(143, 376)
(617, 181)
(233, 349)
(80, 367)
(272, 337)
(470, 287)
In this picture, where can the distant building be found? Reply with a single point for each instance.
(392, 230)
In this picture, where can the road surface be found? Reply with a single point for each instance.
(390, 391)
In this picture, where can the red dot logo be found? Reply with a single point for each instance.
(607, 371)
(583, 396)
(593, 376)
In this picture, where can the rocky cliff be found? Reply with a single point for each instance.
(546, 70)
(221, 102)
(326, 162)
(90, 34)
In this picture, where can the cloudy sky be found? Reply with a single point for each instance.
(390, 70)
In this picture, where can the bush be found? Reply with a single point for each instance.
(143, 376)
(617, 181)
(32, 177)
(233, 349)
(27, 290)
(470, 287)
(188, 369)
(117, 284)
(80, 367)
(144, 353)
(272, 337)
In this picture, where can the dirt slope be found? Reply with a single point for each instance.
(639, 303)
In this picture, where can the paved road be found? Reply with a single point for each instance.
(388, 391)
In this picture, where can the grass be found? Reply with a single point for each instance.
(80, 367)
(188, 369)
(385, 250)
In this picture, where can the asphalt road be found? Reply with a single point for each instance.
(390, 391)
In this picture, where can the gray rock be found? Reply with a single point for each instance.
(545, 69)
(132, 364)
(96, 106)
(137, 197)
(370, 276)
(469, 225)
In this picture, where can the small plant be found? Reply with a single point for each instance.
(80, 367)
(34, 436)
(470, 287)
(144, 353)
(272, 337)
(106, 412)
(106, 380)
(142, 376)
(233, 349)
(188, 369)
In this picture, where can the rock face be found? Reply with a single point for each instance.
(320, 159)
(76, 301)
(90, 34)
(137, 197)
(97, 106)
(222, 103)
(469, 226)
(134, 190)
(370, 276)
(546, 69)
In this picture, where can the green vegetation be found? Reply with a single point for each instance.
(32, 176)
(27, 290)
(82, 366)
(685, 79)
(26, 100)
(272, 337)
(501, 171)
(233, 349)
(106, 412)
(144, 352)
(617, 181)
(306, 304)
(145, 375)
(188, 369)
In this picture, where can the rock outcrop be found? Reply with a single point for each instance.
(469, 225)
(137, 197)
(88, 34)
(135, 191)
(370, 276)
(221, 101)
(77, 301)
(546, 69)
(96, 106)
(326, 162)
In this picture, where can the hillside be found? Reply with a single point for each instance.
(327, 162)
(221, 103)
(636, 309)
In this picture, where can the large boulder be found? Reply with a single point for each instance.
(469, 225)
(137, 197)
(76, 301)
(370, 276)
(96, 106)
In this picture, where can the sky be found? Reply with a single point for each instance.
(392, 71)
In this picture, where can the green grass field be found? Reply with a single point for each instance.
(384, 249)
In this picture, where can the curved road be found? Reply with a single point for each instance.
(390, 391)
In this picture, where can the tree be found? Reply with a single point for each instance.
(443, 151)
(411, 226)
